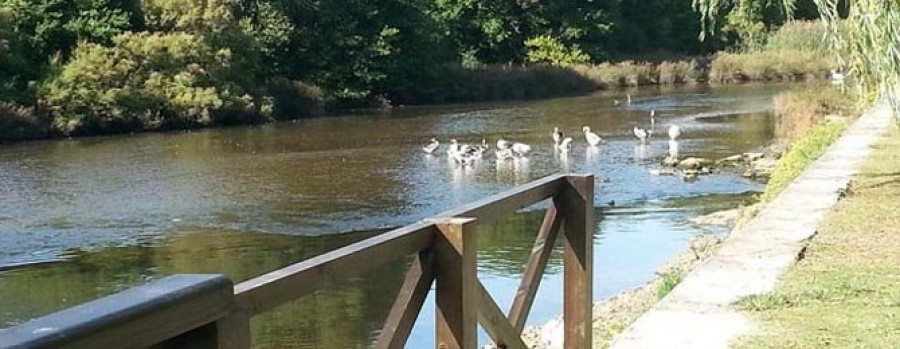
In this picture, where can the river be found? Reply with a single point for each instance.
(83, 218)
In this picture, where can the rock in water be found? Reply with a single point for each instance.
(693, 163)
(670, 161)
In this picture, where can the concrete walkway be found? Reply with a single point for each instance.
(698, 312)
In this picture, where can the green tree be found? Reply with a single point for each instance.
(148, 81)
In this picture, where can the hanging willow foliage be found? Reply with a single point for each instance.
(866, 41)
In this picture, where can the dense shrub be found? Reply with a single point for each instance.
(294, 99)
(806, 36)
(547, 49)
(148, 81)
(18, 123)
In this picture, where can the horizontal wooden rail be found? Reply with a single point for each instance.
(146, 315)
(265, 292)
(207, 311)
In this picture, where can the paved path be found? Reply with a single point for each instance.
(698, 312)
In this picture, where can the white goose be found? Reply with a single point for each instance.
(641, 134)
(503, 144)
(432, 147)
(453, 149)
(520, 148)
(592, 138)
(565, 145)
(505, 154)
(652, 123)
(557, 136)
(674, 132)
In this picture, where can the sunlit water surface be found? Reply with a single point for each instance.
(83, 218)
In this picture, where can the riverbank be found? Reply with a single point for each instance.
(700, 311)
(845, 290)
(451, 84)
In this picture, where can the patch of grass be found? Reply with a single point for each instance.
(801, 109)
(785, 65)
(846, 291)
(667, 284)
(803, 152)
(799, 35)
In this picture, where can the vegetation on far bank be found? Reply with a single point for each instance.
(845, 292)
(72, 68)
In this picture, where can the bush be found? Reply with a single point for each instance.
(806, 36)
(19, 123)
(624, 74)
(547, 49)
(678, 72)
(295, 99)
(148, 81)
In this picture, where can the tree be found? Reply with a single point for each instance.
(863, 35)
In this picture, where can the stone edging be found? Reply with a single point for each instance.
(698, 313)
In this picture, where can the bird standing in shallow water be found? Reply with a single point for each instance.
(432, 147)
(674, 132)
(592, 138)
(565, 145)
(503, 144)
(557, 136)
(641, 134)
(520, 148)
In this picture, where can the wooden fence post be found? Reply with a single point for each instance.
(456, 279)
(577, 208)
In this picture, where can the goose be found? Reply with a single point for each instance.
(453, 149)
(652, 123)
(628, 99)
(674, 132)
(505, 154)
(503, 144)
(641, 134)
(557, 135)
(520, 148)
(432, 147)
(592, 138)
(565, 145)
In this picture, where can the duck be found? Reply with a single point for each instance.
(432, 147)
(592, 138)
(641, 134)
(565, 145)
(674, 132)
(520, 148)
(557, 136)
(503, 144)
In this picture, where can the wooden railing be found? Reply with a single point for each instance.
(203, 311)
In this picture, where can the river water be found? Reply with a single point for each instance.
(83, 218)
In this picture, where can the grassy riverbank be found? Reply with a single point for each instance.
(846, 290)
(810, 119)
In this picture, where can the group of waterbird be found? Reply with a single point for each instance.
(466, 154)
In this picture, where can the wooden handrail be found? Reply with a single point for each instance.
(283, 285)
(204, 310)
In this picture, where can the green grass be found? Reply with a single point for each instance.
(669, 281)
(845, 293)
(803, 152)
